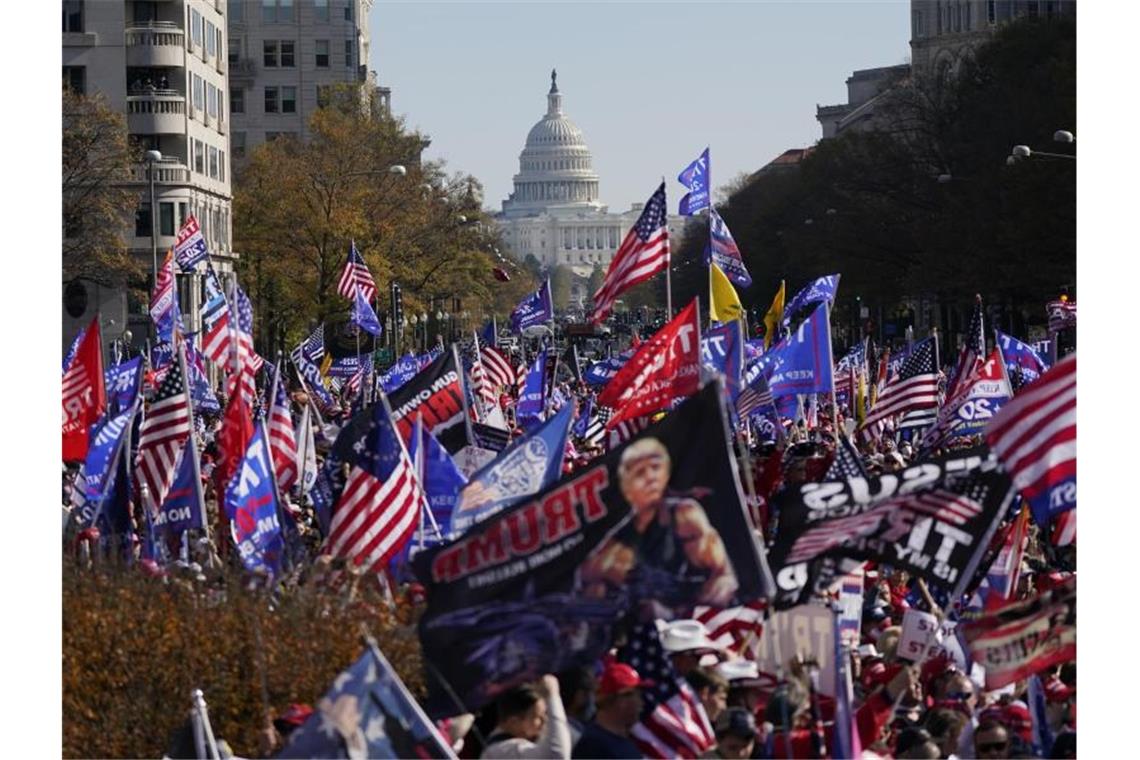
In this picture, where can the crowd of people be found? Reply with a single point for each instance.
(928, 709)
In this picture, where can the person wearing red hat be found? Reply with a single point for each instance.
(1060, 701)
(619, 708)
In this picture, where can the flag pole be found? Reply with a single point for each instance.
(669, 269)
(192, 449)
(831, 369)
(418, 466)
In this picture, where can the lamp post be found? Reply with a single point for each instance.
(152, 157)
(424, 322)
(1020, 152)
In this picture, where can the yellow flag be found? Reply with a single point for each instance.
(774, 316)
(325, 366)
(724, 304)
(861, 397)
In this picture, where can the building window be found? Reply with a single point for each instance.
(218, 38)
(348, 11)
(196, 26)
(211, 100)
(237, 101)
(221, 105)
(73, 15)
(991, 11)
(284, 10)
(183, 210)
(221, 166)
(75, 79)
(288, 100)
(235, 51)
(196, 93)
(142, 220)
(348, 46)
(211, 40)
(199, 157)
(271, 100)
(235, 10)
(237, 144)
(269, 53)
(166, 219)
(321, 10)
(287, 53)
(213, 162)
(268, 11)
(322, 54)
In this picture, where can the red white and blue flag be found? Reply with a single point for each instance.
(216, 339)
(190, 246)
(163, 434)
(379, 508)
(1035, 439)
(355, 275)
(282, 438)
(84, 394)
(643, 253)
(163, 305)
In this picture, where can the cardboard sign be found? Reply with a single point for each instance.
(807, 630)
(851, 608)
(920, 631)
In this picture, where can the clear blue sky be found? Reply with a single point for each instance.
(649, 83)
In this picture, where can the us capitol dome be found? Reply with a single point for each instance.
(555, 213)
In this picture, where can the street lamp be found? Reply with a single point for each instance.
(399, 169)
(1063, 136)
(152, 157)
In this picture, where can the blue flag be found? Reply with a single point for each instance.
(696, 178)
(801, 363)
(821, 289)
(251, 504)
(441, 479)
(1021, 360)
(583, 422)
(122, 382)
(182, 508)
(200, 391)
(362, 314)
(602, 372)
(490, 334)
(385, 719)
(104, 450)
(724, 252)
(533, 398)
(527, 466)
(399, 373)
(535, 309)
(722, 352)
(347, 366)
(70, 355)
(161, 355)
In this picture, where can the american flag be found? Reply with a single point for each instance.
(312, 348)
(626, 429)
(1062, 314)
(943, 505)
(973, 353)
(380, 506)
(916, 387)
(355, 275)
(1035, 434)
(753, 396)
(482, 385)
(734, 628)
(498, 370)
(520, 379)
(847, 462)
(1064, 528)
(596, 428)
(673, 721)
(216, 338)
(643, 253)
(282, 438)
(353, 385)
(162, 435)
(919, 418)
(246, 362)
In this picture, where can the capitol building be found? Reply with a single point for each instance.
(555, 213)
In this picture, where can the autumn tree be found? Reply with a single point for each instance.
(561, 280)
(299, 205)
(97, 202)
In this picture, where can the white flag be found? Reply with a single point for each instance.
(306, 454)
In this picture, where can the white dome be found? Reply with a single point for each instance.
(555, 166)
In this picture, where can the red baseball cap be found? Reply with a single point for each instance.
(620, 677)
(1057, 690)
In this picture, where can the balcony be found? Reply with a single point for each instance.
(159, 43)
(156, 112)
(243, 70)
(166, 172)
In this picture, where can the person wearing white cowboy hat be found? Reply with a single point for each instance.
(687, 641)
(746, 685)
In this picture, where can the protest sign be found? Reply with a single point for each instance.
(807, 631)
(923, 638)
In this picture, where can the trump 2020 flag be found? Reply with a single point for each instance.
(724, 252)
(84, 394)
(362, 314)
(399, 373)
(1021, 360)
(535, 309)
(251, 502)
(163, 303)
(524, 468)
(190, 246)
(122, 382)
(721, 351)
(183, 507)
(696, 178)
(368, 712)
(442, 481)
(533, 397)
(801, 364)
(821, 289)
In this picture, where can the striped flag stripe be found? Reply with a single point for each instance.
(635, 271)
(354, 513)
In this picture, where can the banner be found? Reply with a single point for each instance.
(537, 587)
(602, 372)
(526, 467)
(821, 289)
(399, 373)
(721, 352)
(986, 396)
(695, 177)
(933, 519)
(104, 451)
(807, 630)
(122, 383)
(801, 364)
(1025, 637)
(532, 399)
(535, 309)
(665, 368)
(251, 503)
(345, 367)
(1022, 360)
